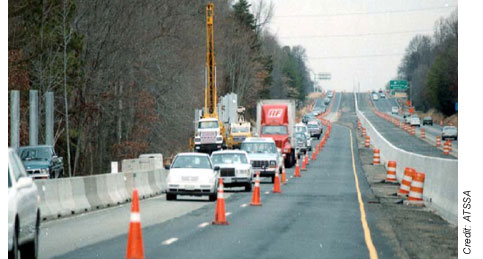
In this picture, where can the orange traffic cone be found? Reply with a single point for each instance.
(304, 165)
(307, 159)
(135, 237)
(297, 169)
(313, 156)
(284, 176)
(276, 183)
(256, 192)
(220, 217)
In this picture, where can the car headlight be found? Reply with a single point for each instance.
(44, 170)
(197, 139)
(243, 171)
(219, 138)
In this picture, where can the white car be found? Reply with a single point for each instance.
(383, 96)
(301, 127)
(394, 110)
(375, 97)
(192, 174)
(264, 155)
(415, 121)
(235, 168)
(449, 132)
(23, 210)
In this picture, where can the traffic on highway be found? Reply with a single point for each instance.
(234, 129)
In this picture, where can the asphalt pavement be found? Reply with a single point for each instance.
(315, 216)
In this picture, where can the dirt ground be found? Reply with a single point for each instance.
(415, 232)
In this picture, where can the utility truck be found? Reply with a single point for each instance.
(239, 131)
(276, 119)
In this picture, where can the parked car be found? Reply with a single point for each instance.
(300, 127)
(23, 210)
(394, 110)
(264, 156)
(449, 132)
(235, 168)
(301, 147)
(315, 128)
(192, 174)
(41, 161)
(428, 120)
(414, 121)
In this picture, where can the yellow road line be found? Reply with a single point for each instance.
(365, 226)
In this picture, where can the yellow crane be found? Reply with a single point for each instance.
(210, 134)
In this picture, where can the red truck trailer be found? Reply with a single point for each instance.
(276, 119)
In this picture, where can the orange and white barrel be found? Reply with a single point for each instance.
(376, 159)
(406, 181)
(391, 172)
(450, 145)
(359, 125)
(367, 142)
(413, 130)
(438, 141)
(446, 148)
(363, 132)
(417, 186)
(423, 133)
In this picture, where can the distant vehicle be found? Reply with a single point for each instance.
(428, 120)
(449, 132)
(414, 121)
(264, 156)
(383, 96)
(394, 110)
(330, 94)
(235, 168)
(327, 101)
(300, 127)
(192, 174)
(380, 90)
(407, 117)
(23, 210)
(318, 110)
(301, 144)
(239, 132)
(307, 117)
(315, 128)
(375, 97)
(41, 162)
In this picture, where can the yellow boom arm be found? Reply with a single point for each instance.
(210, 88)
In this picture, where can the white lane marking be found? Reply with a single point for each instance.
(267, 192)
(204, 224)
(228, 214)
(170, 241)
(244, 205)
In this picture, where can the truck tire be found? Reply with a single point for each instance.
(170, 196)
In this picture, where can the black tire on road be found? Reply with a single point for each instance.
(273, 179)
(212, 197)
(170, 196)
(31, 249)
(248, 187)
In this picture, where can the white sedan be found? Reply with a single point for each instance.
(23, 210)
(235, 168)
(192, 174)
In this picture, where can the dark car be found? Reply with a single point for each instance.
(41, 161)
(427, 121)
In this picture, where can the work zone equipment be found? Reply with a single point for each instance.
(376, 159)
(276, 183)
(220, 216)
(135, 248)
(406, 182)
(256, 192)
(416, 190)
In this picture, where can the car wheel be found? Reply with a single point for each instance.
(273, 179)
(14, 253)
(248, 187)
(30, 249)
(212, 197)
(310, 148)
(170, 196)
(455, 138)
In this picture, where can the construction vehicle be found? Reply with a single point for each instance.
(240, 130)
(276, 119)
(210, 134)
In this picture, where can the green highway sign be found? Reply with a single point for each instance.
(398, 84)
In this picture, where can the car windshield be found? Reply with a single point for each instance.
(427, 118)
(229, 158)
(300, 136)
(207, 124)
(192, 162)
(312, 126)
(449, 128)
(414, 117)
(27, 154)
(274, 130)
(300, 129)
(240, 130)
(264, 147)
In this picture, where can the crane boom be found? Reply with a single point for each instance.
(210, 88)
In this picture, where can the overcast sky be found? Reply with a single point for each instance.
(355, 40)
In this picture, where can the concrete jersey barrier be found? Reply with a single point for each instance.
(441, 183)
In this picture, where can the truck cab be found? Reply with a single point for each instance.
(208, 136)
(239, 132)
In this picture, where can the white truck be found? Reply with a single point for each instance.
(276, 120)
(208, 135)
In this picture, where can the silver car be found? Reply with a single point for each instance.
(449, 132)
(235, 168)
(23, 210)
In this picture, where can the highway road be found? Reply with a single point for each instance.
(316, 216)
(395, 135)
(385, 105)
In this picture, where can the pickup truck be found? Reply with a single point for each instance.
(264, 156)
(41, 162)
